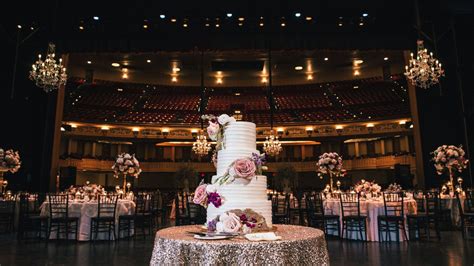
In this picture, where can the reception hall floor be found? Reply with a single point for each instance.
(451, 250)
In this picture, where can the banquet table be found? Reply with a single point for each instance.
(85, 210)
(372, 208)
(299, 246)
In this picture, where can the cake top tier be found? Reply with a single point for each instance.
(240, 135)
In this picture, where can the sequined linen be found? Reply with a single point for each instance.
(299, 246)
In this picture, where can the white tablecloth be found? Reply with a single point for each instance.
(372, 209)
(85, 211)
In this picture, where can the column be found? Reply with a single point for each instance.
(356, 149)
(173, 152)
(302, 152)
(382, 146)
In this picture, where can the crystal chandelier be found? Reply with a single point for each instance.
(272, 145)
(48, 74)
(424, 70)
(201, 147)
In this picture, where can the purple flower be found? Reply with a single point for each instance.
(211, 225)
(259, 160)
(215, 199)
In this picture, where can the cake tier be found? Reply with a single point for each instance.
(227, 157)
(242, 194)
(240, 135)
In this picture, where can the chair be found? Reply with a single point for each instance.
(317, 216)
(7, 215)
(30, 218)
(352, 220)
(418, 221)
(393, 219)
(141, 219)
(182, 213)
(105, 220)
(430, 216)
(467, 216)
(281, 209)
(157, 209)
(298, 207)
(59, 219)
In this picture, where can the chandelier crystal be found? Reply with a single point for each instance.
(424, 70)
(48, 74)
(201, 147)
(272, 145)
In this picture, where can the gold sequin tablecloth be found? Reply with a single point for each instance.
(299, 246)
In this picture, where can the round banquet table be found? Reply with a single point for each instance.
(299, 246)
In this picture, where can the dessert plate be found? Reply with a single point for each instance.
(217, 237)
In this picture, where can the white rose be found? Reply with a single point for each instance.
(219, 227)
(223, 119)
(211, 188)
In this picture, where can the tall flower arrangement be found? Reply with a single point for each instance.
(330, 163)
(451, 159)
(9, 161)
(124, 165)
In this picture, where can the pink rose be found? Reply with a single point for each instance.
(230, 223)
(200, 195)
(244, 168)
(213, 130)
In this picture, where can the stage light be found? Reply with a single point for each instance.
(162, 16)
(340, 24)
(124, 76)
(298, 15)
(358, 62)
(207, 24)
(240, 24)
(185, 25)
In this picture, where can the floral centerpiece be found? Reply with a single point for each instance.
(124, 165)
(366, 188)
(9, 161)
(236, 221)
(394, 187)
(206, 194)
(244, 168)
(449, 159)
(330, 164)
(88, 191)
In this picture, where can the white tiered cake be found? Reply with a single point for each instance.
(240, 142)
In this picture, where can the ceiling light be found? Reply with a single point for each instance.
(261, 24)
(298, 68)
(174, 79)
(298, 15)
(219, 72)
(81, 27)
(173, 20)
(120, 89)
(356, 73)
(326, 59)
(358, 61)
(309, 77)
(176, 69)
(217, 25)
(283, 24)
(356, 87)
(361, 24)
(219, 80)
(229, 15)
(241, 18)
(402, 122)
(309, 18)
(18, 26)
(145, 26)
(185, 25)
(339, 127)
(340, 24)
(148, 61)
(365, 15)
(237, 94)
(241, 24)
(124, 69)
(369, 125)
(115, 64)
(124, 76)
(89, 62)
(264, 80)
(207, 24)
(105, 128)
(385, 59)
(162, 16)
(135, 129)
(95, 17)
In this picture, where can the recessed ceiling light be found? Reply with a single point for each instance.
(174, 79)
(95, 17)
(385, 58)
(365, 15)
(261, 24)
(309, 18)
(361, 24)
(162, 16)
(145, 26)
(283, 24)
(148, 61)
(119, 89)
(340, 24)
(81, 27)
(229, 15)
(241, 19)
(237, 94)
(298, 68)
(297, 14)
(173, 20)
(326, 59)
(207, 24)
(89, 62)
(115, 64)
(241, 24)
(217, 25)
(356, 87)
(124, 76)
(185, 25)
(18, 26)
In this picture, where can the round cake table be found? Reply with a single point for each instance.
(299, 246)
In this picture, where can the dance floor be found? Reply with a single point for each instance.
(451, 250)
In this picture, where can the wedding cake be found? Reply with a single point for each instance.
(238, 149)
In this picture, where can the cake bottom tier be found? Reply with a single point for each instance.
(264, 208)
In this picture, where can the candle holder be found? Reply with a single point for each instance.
(338, 184)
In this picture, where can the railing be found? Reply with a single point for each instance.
(383, 162)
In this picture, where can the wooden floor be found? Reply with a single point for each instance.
(451, 250)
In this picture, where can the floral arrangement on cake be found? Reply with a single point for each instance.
(10, 160)
(206, 194)
(244, 168)
(449, 158)
(367, 187)
(394, 187)
(236, 221)
(126, 164)
(216, 127)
